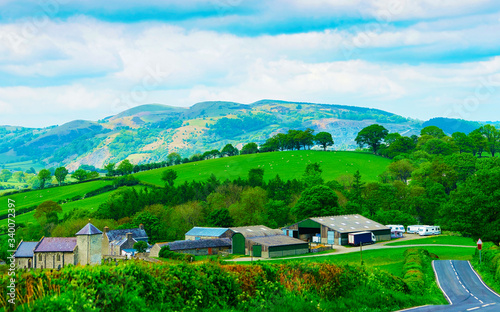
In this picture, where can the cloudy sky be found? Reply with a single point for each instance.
(62, 60)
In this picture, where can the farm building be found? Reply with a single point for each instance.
(199, 247)
(24, 254)
(335, 229)
(265, 242)
(114, 241)
(208, 233)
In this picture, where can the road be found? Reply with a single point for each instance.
(463, 289)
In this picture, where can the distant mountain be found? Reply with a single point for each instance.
(150, 132)
(450, 125)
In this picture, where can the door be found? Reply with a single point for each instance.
(331, 237)
(209, 250)
(257, 250)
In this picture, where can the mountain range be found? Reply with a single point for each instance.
(148, 133)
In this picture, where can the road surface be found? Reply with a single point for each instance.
(463, 289)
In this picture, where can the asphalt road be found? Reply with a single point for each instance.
(463, 289)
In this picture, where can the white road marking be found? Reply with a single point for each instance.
(439, 285)
(475, 308)
(482, 280)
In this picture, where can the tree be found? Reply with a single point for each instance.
(400, 145)
(256, 177)
(111, 169)
(141, 246)
(168, 176)
(391, 138)
(438, 147)
(6, 175)
(80, 175)
(434, 131)
(479, 142)
(473, 208)
(249, 148)
(47, 212)
(312, 175)
(44, 176)
(463, 142)
(324, 139)
(220, 218)
(401, 169)
(19, 176)
(492, 137)
(316, 201)
(173, 159)
(61, 174)
(229, 150)
(125, 167)
(371, 136)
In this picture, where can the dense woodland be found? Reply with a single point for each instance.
(432, 179)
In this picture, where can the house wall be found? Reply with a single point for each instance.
(105, 245)
(155, 251)
(204, 251)
(53, 260)
(24, 263)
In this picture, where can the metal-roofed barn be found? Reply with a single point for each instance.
(207, 233)
(199, 247)
(261, 241)
(335, 229)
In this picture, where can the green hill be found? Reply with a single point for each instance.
(288, 165)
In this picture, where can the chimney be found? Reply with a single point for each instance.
(129, 236)
(106, 229)
(141, 226)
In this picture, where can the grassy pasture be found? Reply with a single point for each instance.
(289, 165)
(441, 240)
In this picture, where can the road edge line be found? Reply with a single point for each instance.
(439, 285)
(481, 280)
(409, 309)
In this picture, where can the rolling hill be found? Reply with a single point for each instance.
(148, 133)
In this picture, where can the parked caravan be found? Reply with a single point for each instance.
(429, 230)
(413, 229)
(398, 227)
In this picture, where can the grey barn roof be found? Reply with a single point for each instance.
(89, 229)
(256, 231)
(25, 249)
(137, 234)
(199, 243)
(206, 231)
(56, 244)
(277, 240)
(349, 223)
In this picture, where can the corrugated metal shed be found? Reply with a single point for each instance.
(201, 243)
(25, 250)
(56, 244)
(206, 231)
(256, 231)
(89, 229)
(349, 223)
(277, 240)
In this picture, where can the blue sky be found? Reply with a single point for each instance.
(62, 60)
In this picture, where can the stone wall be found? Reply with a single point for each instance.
(53, 260)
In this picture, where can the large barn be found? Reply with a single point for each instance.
(335, 229)
(261, 241)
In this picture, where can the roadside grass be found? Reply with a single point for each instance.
(439, 239)
(289, 165)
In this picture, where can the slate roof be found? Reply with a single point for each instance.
(206, 231)
(137, 234)
(256, 231)
(89, 229)
(277, 240)
(56, 244)
(350, 223)
(199, 243)
(25, 249)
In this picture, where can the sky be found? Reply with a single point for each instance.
(62, 60)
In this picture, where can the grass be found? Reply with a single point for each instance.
(289, 165)
(387, 259)
(24, 165)
(441, 240)
(37, 197)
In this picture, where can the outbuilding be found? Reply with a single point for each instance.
(24, 254)
(207, 233)
(335, 229)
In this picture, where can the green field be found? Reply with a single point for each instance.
(24, 165)
(443, 240)
(37, 197)
(388, 259)
(288, 165)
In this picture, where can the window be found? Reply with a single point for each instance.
(58, 257)
(40, 257)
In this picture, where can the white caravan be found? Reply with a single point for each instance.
(429, 230)
(413, 229)
(398, 227)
